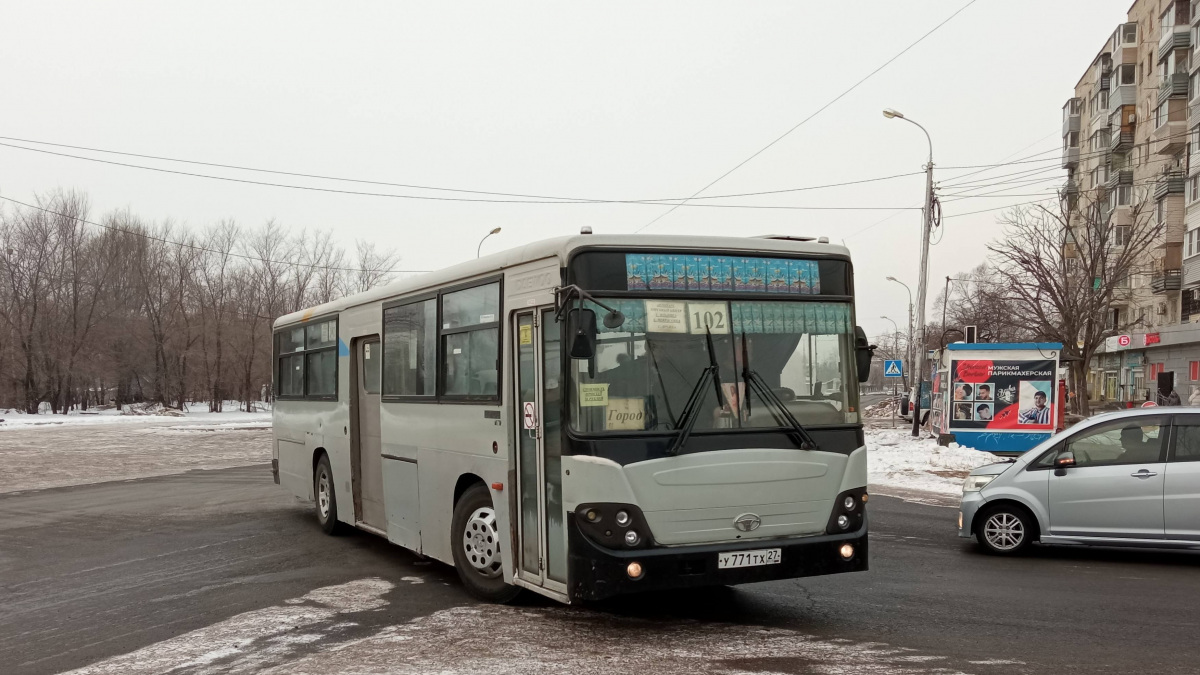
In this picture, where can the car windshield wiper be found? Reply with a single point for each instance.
(691, 409)
(782, 415)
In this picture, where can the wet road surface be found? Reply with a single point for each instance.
(220, 571)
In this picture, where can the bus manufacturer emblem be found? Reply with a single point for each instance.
(747, 522)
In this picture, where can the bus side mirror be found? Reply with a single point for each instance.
(863, 351)
(581, 326)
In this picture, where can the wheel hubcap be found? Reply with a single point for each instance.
(1004, 531)
(481, 543)
(323, 495)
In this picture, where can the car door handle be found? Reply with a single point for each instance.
(1143, 474)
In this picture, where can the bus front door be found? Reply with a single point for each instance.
(542, 549)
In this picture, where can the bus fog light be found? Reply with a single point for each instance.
(632, 538)
(634, 570)
(849, 503)
(843, 521)
(623, 518)
(847, 551)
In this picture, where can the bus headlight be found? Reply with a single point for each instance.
(843, 521)
(848, 514)
(632, 538)
(849, 503)
(623, 518)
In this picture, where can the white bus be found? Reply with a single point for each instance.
(590, 415)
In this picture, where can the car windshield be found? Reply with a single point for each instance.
(645, 370)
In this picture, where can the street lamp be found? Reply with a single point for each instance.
(908, 351)
(923, 278)
(480, 246)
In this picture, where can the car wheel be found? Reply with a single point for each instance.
(475, 541)
(326, 497)
(1005, 530)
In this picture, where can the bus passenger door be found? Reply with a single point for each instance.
(367, 460)
(541, 558)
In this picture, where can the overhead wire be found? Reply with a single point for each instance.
(810, 117)
(549, 198)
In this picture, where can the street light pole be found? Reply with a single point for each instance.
(923, 278)
(480, 246)
(908, 355)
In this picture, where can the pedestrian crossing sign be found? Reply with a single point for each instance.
(893, 368)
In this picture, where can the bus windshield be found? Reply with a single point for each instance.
(645, 370)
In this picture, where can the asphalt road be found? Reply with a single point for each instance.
(219, 571)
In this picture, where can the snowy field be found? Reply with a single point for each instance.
(46, 451)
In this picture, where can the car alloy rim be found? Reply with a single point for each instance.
(481, 542)
(323, 495)
(1004, 531)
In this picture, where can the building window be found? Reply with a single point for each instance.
(1126, 74)
(307, 360)
(1124, 195)
(1160, 211)
(1121, 235)
(410, 349)
(1193, 188)
(1194, 371)
(1071, 140)
(1193, 242)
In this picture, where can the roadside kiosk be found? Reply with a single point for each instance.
(1001, 398)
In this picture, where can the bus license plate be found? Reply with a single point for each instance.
(765, 556)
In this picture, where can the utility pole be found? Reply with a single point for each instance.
(923, 277)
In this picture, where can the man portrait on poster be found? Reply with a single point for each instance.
(1038, 412)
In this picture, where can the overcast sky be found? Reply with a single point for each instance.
(615, 100)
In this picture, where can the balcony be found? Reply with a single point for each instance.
(1122, 95)
(1121, 141)
(1070, 122)
(1169, 183)
(1174, 85)
(1166, 281)
(1169, 137)
(1119, 176)
(1177, 37)
(1070, 157)
(1124, 44)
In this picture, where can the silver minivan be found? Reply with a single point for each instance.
(1129, 478)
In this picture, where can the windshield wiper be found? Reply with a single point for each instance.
(753, 380)
(691, 409)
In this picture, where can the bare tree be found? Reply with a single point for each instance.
(375, 268)
(1064, 268)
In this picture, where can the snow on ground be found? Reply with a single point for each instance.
(312, 635)
(895, 459)
(196, 412)
(46, 451)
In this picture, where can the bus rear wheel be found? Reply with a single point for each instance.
(326, 498)
(475, 541)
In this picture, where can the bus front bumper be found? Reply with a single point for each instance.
(596, 572)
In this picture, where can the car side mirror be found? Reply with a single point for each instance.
(863, 351)
(1065, 460)
(581, 326)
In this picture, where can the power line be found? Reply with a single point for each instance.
(447, 199)
(551, 198)
(196, 247)
(806, 119)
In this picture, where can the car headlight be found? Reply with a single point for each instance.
(976, 483)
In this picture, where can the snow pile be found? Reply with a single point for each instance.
(138, 414)
(889, 407)
(896, 459)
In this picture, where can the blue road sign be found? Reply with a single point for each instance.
(893, 368)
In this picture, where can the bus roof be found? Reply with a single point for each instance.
(560, 247)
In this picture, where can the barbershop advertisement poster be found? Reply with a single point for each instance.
(1002, 395)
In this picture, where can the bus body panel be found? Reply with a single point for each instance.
(402, 504)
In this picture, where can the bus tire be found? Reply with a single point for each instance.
(326, 496)
(475, 543)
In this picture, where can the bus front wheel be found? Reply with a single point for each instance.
(325, 496)
(475, 540)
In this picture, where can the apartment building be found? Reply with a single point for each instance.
(1131, 143)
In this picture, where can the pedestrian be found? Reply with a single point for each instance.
(1173, 398)
(1194, 399)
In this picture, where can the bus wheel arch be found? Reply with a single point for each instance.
(464, 483)
(324, 492)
